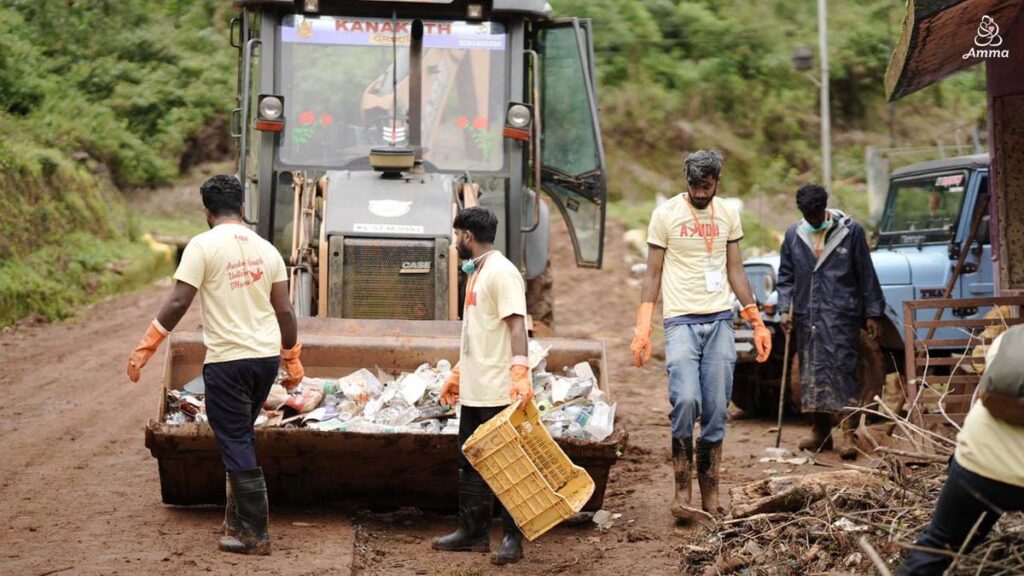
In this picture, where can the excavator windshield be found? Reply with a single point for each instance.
(336, 76)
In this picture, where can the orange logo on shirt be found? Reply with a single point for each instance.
(471, 299)
(242, 273)
(694, 231)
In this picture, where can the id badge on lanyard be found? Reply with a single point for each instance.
(714, 281)
(713, 278)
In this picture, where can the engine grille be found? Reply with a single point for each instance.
(372, 282)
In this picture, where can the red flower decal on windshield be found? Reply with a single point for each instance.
(480, 123)
(307, 118)
(462, 121)
(326, 119)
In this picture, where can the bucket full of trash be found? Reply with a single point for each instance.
(530, 474)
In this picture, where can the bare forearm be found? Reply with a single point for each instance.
(176, 306)
(520, 346)
(652, 287)
(738, 280)
(170, 314)
(652, 277)
(741, 287)
(289, 329)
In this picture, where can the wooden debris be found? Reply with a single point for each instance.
(792, 493)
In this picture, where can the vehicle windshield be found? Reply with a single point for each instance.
(926, 206)
(336, 79)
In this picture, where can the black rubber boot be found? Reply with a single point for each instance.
(249, 490)
(682, 507)
(821, 434)
(231, 527)
(475, 502)
(511, 549)
(709, 464)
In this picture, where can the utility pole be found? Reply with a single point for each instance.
(826, 116)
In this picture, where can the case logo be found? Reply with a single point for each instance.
(416, 267)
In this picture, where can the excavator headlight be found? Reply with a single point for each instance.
(518, 119)
(519, 116)
(270, 113)
(271, 108)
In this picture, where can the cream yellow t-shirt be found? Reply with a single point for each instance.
(233, 269)
(988, 446)
(498, 292)
(684, 286)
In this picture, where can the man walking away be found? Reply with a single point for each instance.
(986, 473)
(694, 252)
(493, 371)
(248, 330)
(825, 270)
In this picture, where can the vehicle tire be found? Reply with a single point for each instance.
(540, 298)
(745, 389)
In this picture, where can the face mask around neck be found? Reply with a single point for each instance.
(469, 266)
(825, 224)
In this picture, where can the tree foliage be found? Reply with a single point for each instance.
(678, 75)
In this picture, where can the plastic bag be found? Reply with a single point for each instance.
(307, 399)
(360, 386)
(277, 397)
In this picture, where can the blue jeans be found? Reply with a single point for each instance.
(700, 360)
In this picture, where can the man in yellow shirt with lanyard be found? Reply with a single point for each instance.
(694, 262)
(493, 372)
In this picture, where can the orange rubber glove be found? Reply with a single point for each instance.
(641, 345)
(450, 390)
(155, 334)
(522, 384)
(762, 336)
(292, 365)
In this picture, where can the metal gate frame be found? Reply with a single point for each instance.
(955, 400)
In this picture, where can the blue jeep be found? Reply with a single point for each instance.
(925, 226)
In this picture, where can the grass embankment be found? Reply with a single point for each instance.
(97, 99)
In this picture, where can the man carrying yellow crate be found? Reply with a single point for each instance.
(493, 371)
(694, 254)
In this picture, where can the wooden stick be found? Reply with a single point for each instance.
(873, 555)
(785, 372)
(917, 455)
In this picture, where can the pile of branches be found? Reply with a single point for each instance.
(853, 520)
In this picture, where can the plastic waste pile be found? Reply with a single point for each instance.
(571, 403)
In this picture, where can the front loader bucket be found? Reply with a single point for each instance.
(305, 466)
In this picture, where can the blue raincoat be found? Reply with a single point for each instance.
(833, 296)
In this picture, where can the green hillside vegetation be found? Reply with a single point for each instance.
(95, 98)
(679, 75)
(101, 97)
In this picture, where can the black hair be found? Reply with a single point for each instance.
(479, 221)
(222, 195)
(701, 165)
(811, 199)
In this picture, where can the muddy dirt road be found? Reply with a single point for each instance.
(80, 493)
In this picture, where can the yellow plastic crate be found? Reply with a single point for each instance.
(527, 470)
